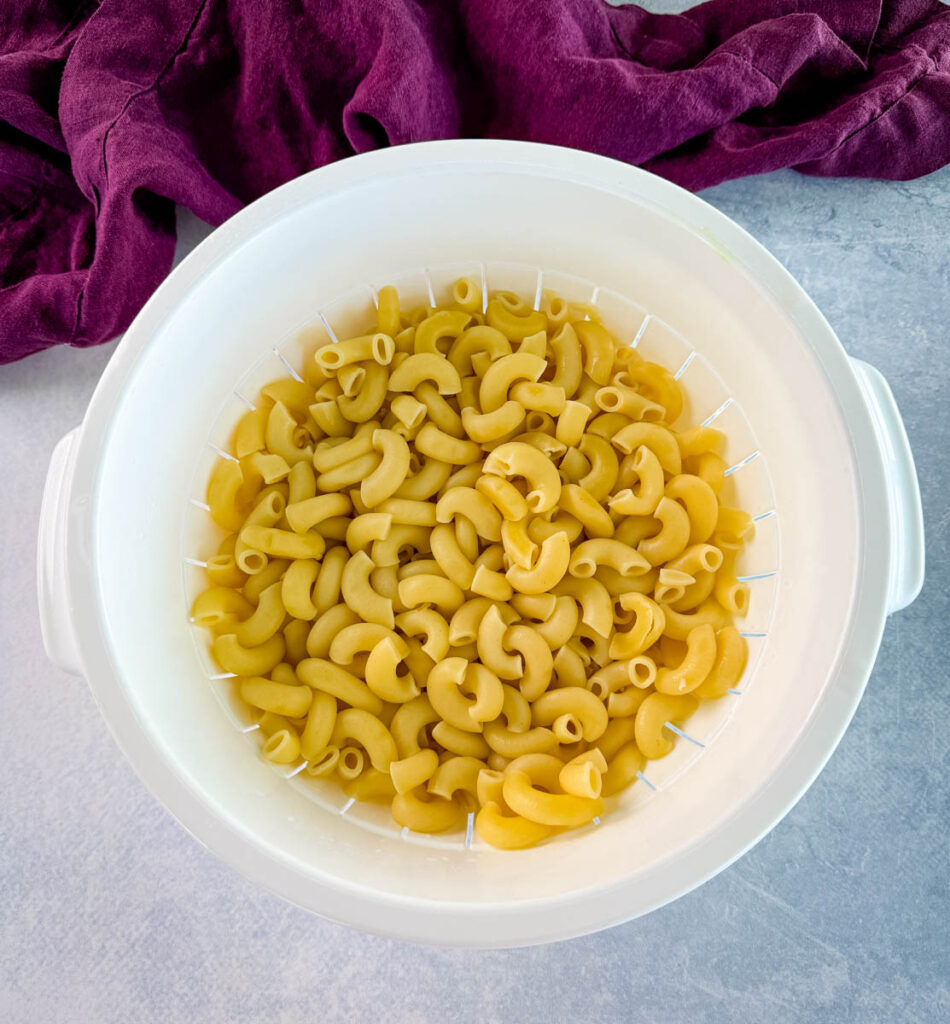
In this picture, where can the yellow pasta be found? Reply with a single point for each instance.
(471, 567)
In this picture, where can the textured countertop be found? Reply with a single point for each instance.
(110, 912)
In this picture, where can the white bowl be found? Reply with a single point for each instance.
(843, 548)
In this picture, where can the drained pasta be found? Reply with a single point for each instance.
(472, 567)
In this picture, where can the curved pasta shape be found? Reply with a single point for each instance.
(516, 458)
(573, 700)
(382, 676)
(266, 619)
(220, 609)
(623, 769)
(428, 623)
(316, 733)
(511, 744)
(445, 691)
(679, 624)
(590, 554)
(659, 440)
(732, 653)
(558, 809)
(514, 325)
(642, 500)
(325, 628)
(463, 744)
(359, 594)
(536, 657)
(425, 366)
(357, 638)
(491, 646)
(700, 502)
(248, 661)
(695, 667)
(439, 409)
(509, 831)
(699, 440)
(338, 682)
(427, 589)
(650, 723)
(413, 771)
(504, 496)
(436, 444)
(367, 730)
(502, 374)
(476, 340)
(420, 812)
(587, 510)
(391, 472)
(472, 504)
(598, 346)
(364, 405)
(491, 583)
(445, 325)
(547, 571)
(457, 774)
(408, 723)
(673, 536)
(560, 625)
(594, 600)
(600, 479)
(282, 436)
(450, 557)
(463, 627)
(288, 699)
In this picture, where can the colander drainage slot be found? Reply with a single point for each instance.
(679, 373)
(349, 803)
(222, 453)
(741, 463)
(717, 413)
(646, 781)
(328, 328)
(293, 373)
(686, 736)
(430, 291)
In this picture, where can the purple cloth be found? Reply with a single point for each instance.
(111, 113)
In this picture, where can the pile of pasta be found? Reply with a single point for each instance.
(471, 567)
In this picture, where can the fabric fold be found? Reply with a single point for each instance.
(112, 113)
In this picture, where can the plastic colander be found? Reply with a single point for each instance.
(816, 449)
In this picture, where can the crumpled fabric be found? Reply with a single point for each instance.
(112, 113)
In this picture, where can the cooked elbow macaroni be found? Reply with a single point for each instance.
(473, 568)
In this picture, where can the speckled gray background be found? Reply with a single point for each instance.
(109, 912)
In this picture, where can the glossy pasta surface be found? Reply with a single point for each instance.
(472, 568)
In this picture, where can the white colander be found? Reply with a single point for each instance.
(817, 453)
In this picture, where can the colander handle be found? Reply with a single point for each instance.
(906, 575)
(56, 622)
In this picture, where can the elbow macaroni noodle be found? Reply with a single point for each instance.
(472, 568)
